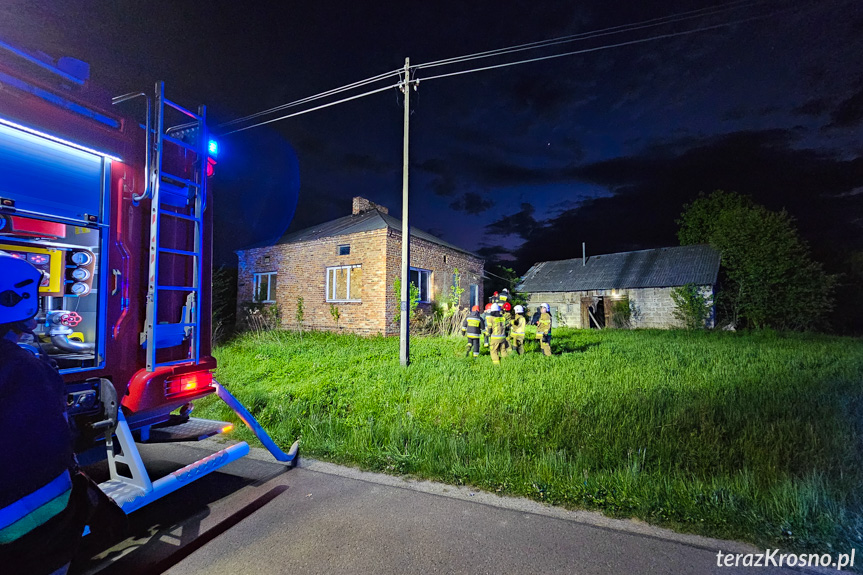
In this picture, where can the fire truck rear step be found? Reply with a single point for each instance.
(131, 497)
(134, 489)
(194, 429)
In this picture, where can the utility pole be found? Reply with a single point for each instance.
(404, 328)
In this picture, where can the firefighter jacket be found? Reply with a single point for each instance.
(518, 326)
(543, 326)
(496, 327)
(473, 325)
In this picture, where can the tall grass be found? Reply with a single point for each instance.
(753, 436)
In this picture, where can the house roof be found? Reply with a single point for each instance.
(662, 267)
(364, 222)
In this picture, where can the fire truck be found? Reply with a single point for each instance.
(118, 216)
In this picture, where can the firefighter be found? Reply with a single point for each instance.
(41, 516)
(486, 314)
(496, 326)
(518, 330)
(543, 329)
(503, 296)
(473, 326)
(506, 309)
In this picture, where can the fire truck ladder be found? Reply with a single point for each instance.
(187, 199)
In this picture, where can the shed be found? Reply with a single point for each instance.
(625, 289)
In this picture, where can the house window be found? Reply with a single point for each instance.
(422, 279)
(474, 295)
(344, 283)
(265, 288)
(345, 250)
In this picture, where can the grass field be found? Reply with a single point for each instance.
(755, 436)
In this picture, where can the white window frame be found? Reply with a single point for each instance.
(257, 284)
(428, 283)
(330, 284)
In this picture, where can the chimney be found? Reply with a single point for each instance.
(361, 205)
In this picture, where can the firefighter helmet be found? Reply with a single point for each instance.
(494, 307)
(475, 308)
(519, 309)
(19, 288)
(507, 306)
(546, 307)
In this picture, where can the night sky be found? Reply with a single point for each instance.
(522, 163)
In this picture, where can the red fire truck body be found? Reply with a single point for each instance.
(119, 217)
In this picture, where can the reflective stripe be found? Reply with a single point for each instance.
(36, 508)
(473, 336)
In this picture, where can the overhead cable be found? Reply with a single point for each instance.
(682, 16)
(598, 48)
(622, 28)
(308, 99)
(321, 107)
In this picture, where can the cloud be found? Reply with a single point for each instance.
(649, 191)
(521, 224)
(472, 203)
(815, 107)
(849, 113)
(496, 252)
(443, 181)
(365, 163)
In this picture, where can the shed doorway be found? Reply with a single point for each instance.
(593, 312)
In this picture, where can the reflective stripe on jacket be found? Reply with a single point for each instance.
(473, 325)
(34, 509)
(497, 327)
(518, 325)
(543, 326)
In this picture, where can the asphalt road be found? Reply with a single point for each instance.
(256, 516)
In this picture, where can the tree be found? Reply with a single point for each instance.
(768, 278)
(498, 277)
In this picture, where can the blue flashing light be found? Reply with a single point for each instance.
(213, 148)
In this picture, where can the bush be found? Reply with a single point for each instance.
(261, 317)
(692, 306)
(621, 313)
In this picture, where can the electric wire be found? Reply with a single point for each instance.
(334, 91)
(598, 48)
(533, 45)
(619, 29)
(672, 18)
(321, 107)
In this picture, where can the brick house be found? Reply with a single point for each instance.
(588, 293)
(352, 263)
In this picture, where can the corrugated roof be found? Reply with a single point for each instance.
(662, 267)
(365, 222)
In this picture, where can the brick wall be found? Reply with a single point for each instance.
(442, 262)
(302, 272)
(301, 269)
(650, 307)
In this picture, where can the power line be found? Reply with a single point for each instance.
(502, 51)
(653, 22)
(603, 47)
(682, 16)
(321, 107)
(308, 99)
